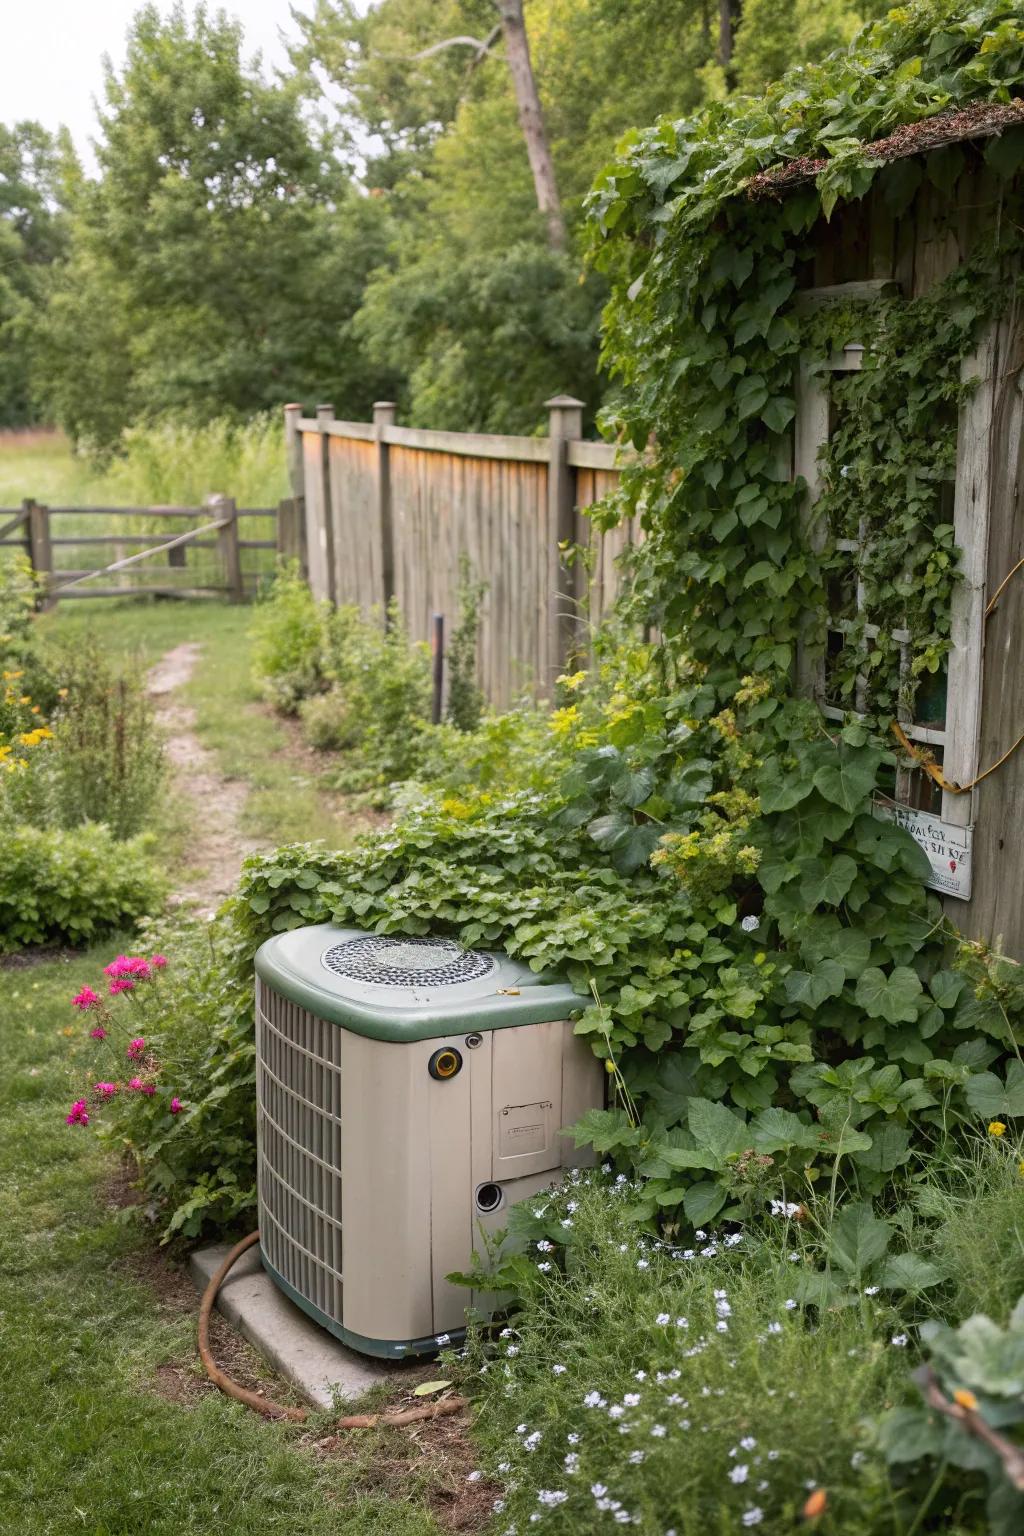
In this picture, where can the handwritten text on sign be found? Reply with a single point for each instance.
(948, 847)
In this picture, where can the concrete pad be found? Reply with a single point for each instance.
(315, 1362)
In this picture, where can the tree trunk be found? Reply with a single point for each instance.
(725, 25)
(531, 120)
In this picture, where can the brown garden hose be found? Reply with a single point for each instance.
(272, 1410)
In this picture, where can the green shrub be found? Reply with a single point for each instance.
(191, 1127)
(108, 759)
(172, 462)
(28, 688)
(385, 681)
(330, 722)
(73, 886)
(288, 633)
(465, 701)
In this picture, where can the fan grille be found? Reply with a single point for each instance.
(405, 962)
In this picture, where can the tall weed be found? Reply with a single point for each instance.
(108, 761)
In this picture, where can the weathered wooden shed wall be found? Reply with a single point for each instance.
(917, 249)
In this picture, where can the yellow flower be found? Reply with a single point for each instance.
(759, 958)
(564, 721)
(572, 681)
(996, 1128)
(965, 1398)
(457, 809)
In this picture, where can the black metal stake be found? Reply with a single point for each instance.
(437, 646)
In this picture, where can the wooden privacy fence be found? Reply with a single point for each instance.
(393, 511)
(137, 563)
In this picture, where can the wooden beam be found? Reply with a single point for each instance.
(971, 505)
(474, 445)
(605, 456)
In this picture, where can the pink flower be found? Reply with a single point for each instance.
(158, 961)
(79, 1113)
(128, 965)
(105, 1090)
(135, 1084)
(87, 998)
(139, 1086)
(124, 985)
(97, 1033)
(176, 1106)
(136, 1048)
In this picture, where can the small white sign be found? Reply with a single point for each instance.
(948, 847)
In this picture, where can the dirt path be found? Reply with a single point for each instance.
(216, 846)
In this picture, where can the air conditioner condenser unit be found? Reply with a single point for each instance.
(407, 1090)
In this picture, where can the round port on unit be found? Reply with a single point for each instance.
(489, 1197)
(472, 1041)
(445, 1063)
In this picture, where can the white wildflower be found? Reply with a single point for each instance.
(750, 924)
(752, 1516)
(739, 1473)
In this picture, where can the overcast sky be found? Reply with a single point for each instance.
(51, 53)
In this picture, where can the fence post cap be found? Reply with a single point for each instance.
(563, 402)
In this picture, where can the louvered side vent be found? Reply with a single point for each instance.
(298, 1095)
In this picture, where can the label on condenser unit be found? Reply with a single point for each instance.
(948, 847)
(523, 1128)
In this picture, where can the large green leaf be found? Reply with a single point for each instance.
(849, 780)
(890, 1146)
(858, 1238)
(702, 1202)
(906, 1272)
(895, 998)
(717, 1128)
(824, 881)
(779, 788)
(991, 1099)
(776, 1130)
(605, 1130)
(811, 988)
(907, 1434)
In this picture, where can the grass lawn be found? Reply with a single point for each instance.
(285, 802)
(95, 1332)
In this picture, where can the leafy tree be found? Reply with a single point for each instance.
(217, 263)
(764, 41)
(32, 233)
